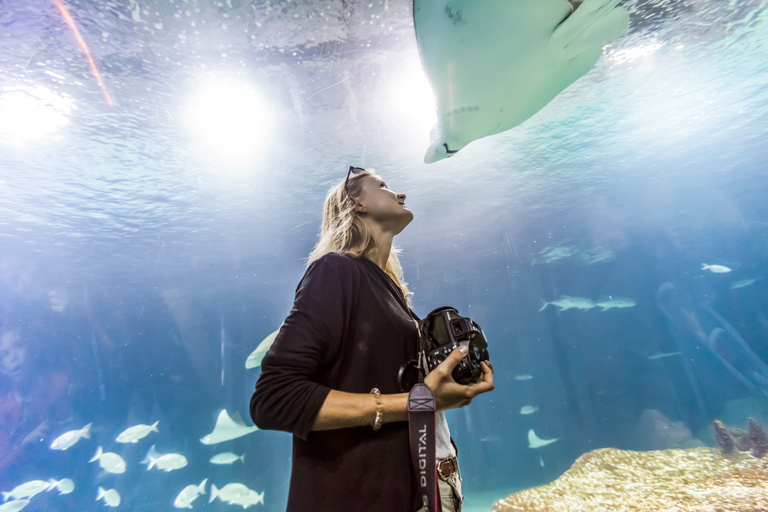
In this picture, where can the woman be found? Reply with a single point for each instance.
(349, 332)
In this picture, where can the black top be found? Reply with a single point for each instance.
(350, 330)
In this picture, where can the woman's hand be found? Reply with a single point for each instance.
(448, 393)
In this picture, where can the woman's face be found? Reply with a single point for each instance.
(383, 206)
(13, 355)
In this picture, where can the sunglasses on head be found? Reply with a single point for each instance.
(352, 170)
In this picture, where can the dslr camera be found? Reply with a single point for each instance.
(445, 330)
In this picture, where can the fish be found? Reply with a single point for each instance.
(111, 497)
(27, 490)
(523, 376)
(717, 269)
(494, 64)
(528, 409)
(189, 494)
(227, 428)
(68, 439)
(65, 485)
(617, 302)
(568, 302)
(663, 354)
(254, 360)
(133, 434)
(248, 499)
(229, 492)
(741, 283)
(14, 506)
(227, 458)
(168, 462)
(110, 462)
(535, 442)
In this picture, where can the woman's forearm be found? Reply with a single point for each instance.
(345, 410)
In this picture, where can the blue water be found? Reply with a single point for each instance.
(141, 269)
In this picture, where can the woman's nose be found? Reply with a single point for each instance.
(401, 196)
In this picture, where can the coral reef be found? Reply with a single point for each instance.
(723, 437)
(610, 480)
(758, 439)
(751, 440)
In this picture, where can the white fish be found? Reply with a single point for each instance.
(136, 432)
(248, 499)
(568, 302)
(14, 506)
(663, 354)
(535, 442)
(229, 492)
(528, 409)
(717, 269)
(189, 494)
(226, 458)
(742, 283)
(65, 485)
(26, 490)
(523, 376)
(617, 302)
(227, 428)
(67, 439)
(168, 462)
(257, 355)
(111, 497)
(111, 462)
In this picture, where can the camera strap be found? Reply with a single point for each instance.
(421, 429)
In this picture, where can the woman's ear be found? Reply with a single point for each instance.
(359, 208)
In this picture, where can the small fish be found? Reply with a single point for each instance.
(535, 442)
(189, 494)
(133, 434)
(717, 269)
(254, 360)
(168, 462)
(523, 376)
(568, 302)
(227, 428)
(229, 492)
(67, 439)
(14, 506)
(248, 499)
(617, 302)
(65, 485)
(663, 354)
(27, 490)
(110, 462)
(528, 409)
(227, 458)
(111, 497)
(742, 283)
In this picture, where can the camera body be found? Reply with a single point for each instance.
(445, 330)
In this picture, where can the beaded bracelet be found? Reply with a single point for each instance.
(377, 420)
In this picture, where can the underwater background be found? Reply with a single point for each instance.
(155, 219)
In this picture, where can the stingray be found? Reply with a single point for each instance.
(493, 64)
(534, 441)
(227, 428)
(254, 360)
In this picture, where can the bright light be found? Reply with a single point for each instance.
(29, 113)
(630, 54)
(412, 103)
(230, 119)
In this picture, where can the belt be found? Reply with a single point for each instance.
(447, 467)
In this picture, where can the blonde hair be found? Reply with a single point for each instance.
(344, 232)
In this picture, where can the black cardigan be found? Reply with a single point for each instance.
(350, 330)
